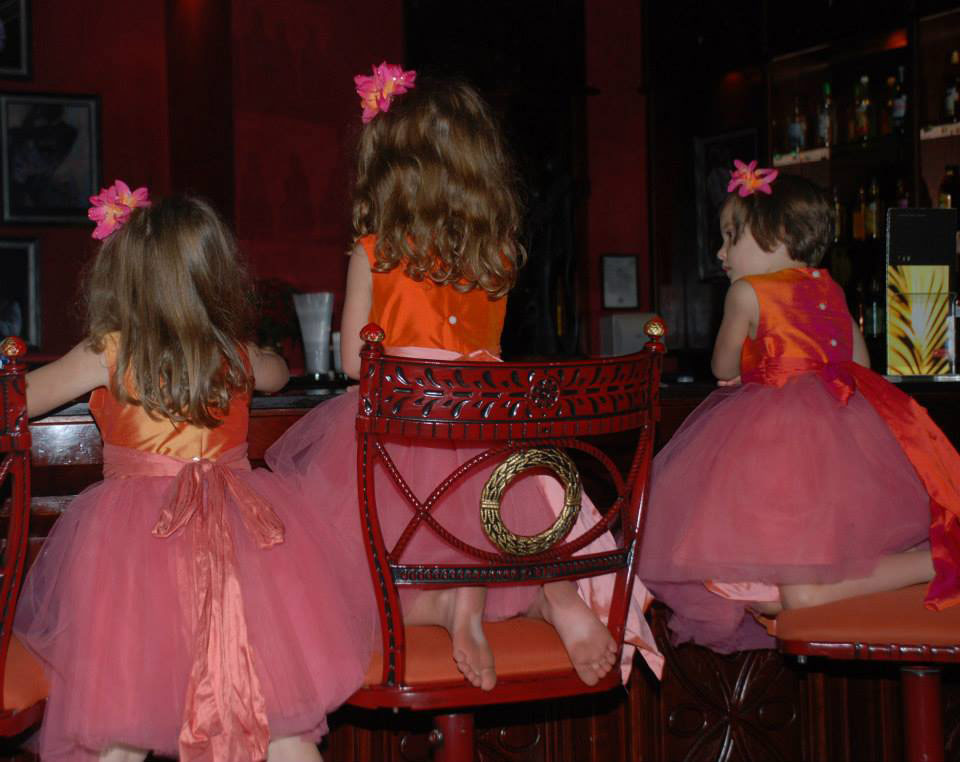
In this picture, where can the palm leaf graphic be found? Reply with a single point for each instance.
(918, 312)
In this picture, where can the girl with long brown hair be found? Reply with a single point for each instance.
(180, 605)
(436, 220)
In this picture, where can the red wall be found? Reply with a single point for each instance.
(294, 119)
(617, 209)
(116, 51)
(296, 116)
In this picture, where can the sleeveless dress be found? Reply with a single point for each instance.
(187, 604)
(318, 454)
(808, 472)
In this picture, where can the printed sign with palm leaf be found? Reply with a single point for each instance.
(920, 335)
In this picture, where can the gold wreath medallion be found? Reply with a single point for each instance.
(562, 467)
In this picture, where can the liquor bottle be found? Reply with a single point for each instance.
(858, 215)
(797, 128)
(951, 106)
(874, 324)
(825, 118)
(885, 121)
(839, 217)
(871, 216)
(863, 110)
(949, 195)
(899, 102)
(902, 195)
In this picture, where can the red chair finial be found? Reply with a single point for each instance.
(656, 330)
(372, 333)
(13, 346)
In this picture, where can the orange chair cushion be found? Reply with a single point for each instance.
(24, 681)
(521, 647)
(894, 617)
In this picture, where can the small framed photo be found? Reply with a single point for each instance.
(51, 156)
(20, 290)
(620, 281)
(15, 39)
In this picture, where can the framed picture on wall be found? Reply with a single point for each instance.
(51, 156)
(620, 281)
(15, 53)
(713, 161)
(20, 289)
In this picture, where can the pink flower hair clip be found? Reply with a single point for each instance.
(112, 207)
(750, 179)
(377, 91)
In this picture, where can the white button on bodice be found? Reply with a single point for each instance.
(833, 342)
(822, 305)
(815, 273)
(452, 319)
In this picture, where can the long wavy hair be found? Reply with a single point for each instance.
(436, 185)
(172, 286)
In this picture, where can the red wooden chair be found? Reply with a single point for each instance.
(24, 686)
(893, 627)
(518, 411)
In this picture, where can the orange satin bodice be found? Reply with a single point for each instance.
(129, 426)
(804, 321)
(424, 314)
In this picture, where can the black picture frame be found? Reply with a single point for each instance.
(619, 279)
(20, 289)
(16, 54)
(50, 147)
(713, 162)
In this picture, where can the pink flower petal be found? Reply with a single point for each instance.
(377, 91)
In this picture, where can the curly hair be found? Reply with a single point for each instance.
(797, 214)
(436, 185)
(171, 285)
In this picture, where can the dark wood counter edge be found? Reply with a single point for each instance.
(299, 399)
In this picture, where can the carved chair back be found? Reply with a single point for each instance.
(520, 416)
(15, 715)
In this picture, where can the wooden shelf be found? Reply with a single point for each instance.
(810, 156)
(937, 131)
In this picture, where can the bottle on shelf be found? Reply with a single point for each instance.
(948, 196)
(874, 323)
(797, 128)
(885, 120)
(858, 216)
(902, 195)
(840, 218)
(872, 211)
(825, 118)
(899, 113)
(858, 307)
(951, 96)
(863, 110)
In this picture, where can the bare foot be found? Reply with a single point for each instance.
(589, 644)
(120, 753)
(460, 612)
(293, 749)
(471, 651)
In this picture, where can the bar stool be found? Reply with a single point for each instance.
(892, 626)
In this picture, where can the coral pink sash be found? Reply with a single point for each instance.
(225, 717)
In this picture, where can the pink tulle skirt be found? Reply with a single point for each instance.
(318, 455)
(778, 486)
(102, 609)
